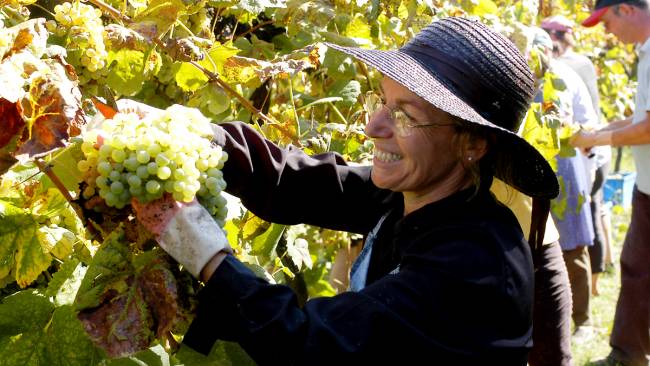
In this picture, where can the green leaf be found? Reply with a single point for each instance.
(20, 245)
(24, 349)
(162, 14)
(108, 270)
(66, 281)
(258, 6)
(264, 244)
(126, 75)
(24, 311)
(189, 78)
(64, 165)
(298, 251)
(67, 342)
(349, 90)
(154, 356)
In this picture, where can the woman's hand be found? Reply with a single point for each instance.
(186, 231)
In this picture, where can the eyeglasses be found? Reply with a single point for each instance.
(403, 124)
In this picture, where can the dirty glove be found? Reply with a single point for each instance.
(186, 231)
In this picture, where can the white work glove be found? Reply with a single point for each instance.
(186, 231)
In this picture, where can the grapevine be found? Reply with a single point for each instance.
(70, 250)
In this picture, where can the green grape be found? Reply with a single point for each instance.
(154, 149)
(152, 168)
(118, 156)
(143, 156)
(115, 176)
(143, 171)
(117, 187)
(152, 186)
(83, 166)
(131, 164)
(104, 168)
(164, 172)
(162, 159)
(134, 181)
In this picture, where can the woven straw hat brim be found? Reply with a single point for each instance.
(531, 174)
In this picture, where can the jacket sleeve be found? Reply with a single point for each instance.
(286, 186)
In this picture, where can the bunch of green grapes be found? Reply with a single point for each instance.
(82, 27)
(166, 151)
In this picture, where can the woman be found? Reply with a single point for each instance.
(445, 272)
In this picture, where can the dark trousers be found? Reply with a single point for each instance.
(551, 311)
(579, 268)
(630, 340)
(597, 251)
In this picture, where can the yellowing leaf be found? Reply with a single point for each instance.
(359, 30)
(542, 137)
(20, 248)
(162, 13)
(485, 7)
(126, 74)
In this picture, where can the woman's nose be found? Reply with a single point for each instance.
(379, 125)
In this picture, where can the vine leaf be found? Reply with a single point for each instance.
(189, 78)
(22, 249)
(243, 69)
(298, 251)
(126, 300)
(160, 15)
(258, 6)
(34, 332)
(126, 74)
(12, 122)
(41, 106)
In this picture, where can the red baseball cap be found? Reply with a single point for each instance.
(601, 8)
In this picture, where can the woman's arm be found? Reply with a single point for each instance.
(285, 185)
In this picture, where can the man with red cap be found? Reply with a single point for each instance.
(629, 21)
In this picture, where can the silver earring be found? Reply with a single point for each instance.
(469, 158)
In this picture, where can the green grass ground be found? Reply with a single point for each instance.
(603, 306)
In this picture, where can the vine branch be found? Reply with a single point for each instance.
(47, 170)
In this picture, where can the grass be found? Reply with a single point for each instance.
(603, 306)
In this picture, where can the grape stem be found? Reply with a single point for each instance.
(213, 77)
(47, 170)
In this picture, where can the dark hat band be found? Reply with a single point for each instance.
(458, 78)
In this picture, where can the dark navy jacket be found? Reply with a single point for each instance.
(463, 294)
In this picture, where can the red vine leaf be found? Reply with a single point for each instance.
(127, 300)
(52, 112)
(12, 122)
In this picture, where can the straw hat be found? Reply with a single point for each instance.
(472, 72)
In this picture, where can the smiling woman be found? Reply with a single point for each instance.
(445, 272)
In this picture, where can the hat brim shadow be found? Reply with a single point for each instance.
(529, 172)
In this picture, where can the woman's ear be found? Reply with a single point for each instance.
(475, 148)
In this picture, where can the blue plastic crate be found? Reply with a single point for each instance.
(618, 188)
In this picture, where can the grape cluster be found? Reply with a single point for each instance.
(82, 26)
(166, 151)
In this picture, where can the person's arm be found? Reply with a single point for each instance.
(428, 307)
(284, 185)
(621, 133)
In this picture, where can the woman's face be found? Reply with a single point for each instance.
(424, 165)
